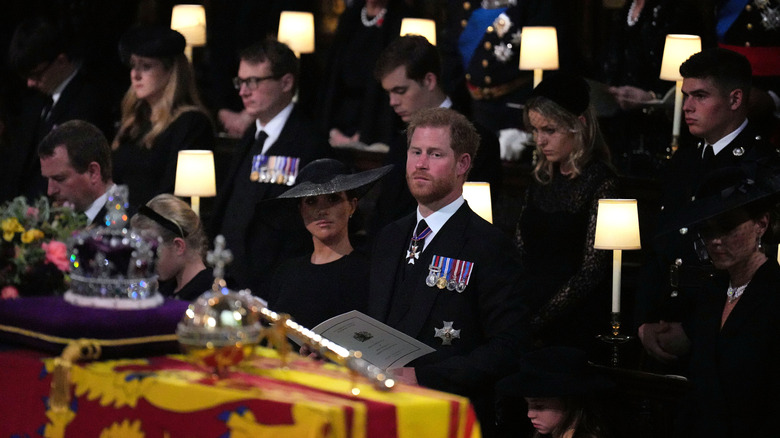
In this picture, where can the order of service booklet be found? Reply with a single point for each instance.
(380, 344)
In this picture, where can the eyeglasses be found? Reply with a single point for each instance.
(251, 82)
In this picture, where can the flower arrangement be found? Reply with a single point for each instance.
(33, 250)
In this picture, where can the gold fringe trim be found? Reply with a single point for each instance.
(101, 342)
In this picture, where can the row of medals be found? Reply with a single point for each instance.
(435, 279)
(276, 171)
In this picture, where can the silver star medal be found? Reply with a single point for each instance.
(447, 333)
(502, 24)
(770, 17)
(503, 52)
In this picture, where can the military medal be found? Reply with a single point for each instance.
(414, 250)
(292, 173)
(447, 333)
(464, 277)
(770, 17)
(442, 282)
(451, 283)
(433, 274)
(738, 151)
(254, 174)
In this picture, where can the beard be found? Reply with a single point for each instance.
(432, 190)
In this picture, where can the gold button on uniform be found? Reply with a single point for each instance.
(466, 6)
(749, 8)
(487, 80)
(490, 29)
(463, 23)
(488, 46)
(484, 63)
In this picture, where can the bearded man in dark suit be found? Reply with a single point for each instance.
(445, 276)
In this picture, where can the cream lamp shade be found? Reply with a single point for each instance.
(477, 194)
(617, 224)
(538, 50)
(677, 49)
(190, 21)
(195, 176)
(617, 228)
(296, 29)
(419, 26)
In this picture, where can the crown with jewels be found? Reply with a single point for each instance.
(113, 266)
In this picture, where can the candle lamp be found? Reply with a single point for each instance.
(419, 26)
(538, 50)
(477, 194)
(617, 228)
(677, 49)
(190, 21)
(296, 29)
(195, 176)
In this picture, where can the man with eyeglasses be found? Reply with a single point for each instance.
(42, 55)
(265, 163)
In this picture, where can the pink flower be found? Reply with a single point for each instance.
(57, 254)
(32, 213)
(9, 292)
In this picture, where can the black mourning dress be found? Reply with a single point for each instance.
(313, 293)
(567, 285)
(199, 284)
(150, 171)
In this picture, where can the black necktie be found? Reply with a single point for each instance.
(257, 146)
(43, 123)
(46, 111)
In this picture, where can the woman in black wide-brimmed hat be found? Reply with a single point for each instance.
(735, 330)
(333, 279)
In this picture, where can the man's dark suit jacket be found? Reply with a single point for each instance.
(679, 183)
(267, 238)
(489, 313)
(82, 99)
(735, 369)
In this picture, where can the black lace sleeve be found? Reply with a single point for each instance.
(594, 264)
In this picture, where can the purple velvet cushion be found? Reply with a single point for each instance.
(48, 323)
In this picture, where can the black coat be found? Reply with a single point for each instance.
(489, 313)
(262, 241)
(735, 369)
(82, 99)
(150, 171)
